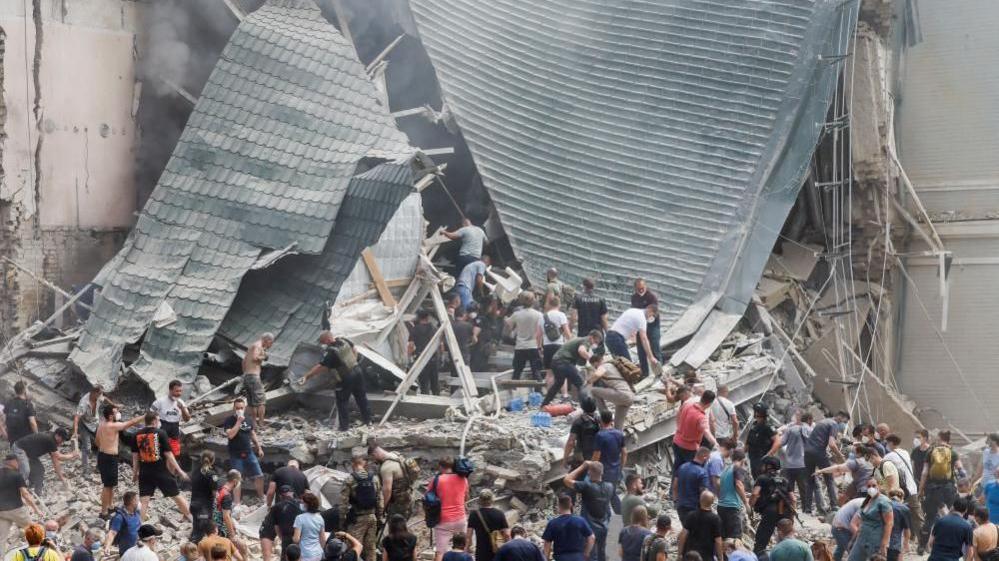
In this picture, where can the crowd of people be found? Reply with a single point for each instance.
(730, 480)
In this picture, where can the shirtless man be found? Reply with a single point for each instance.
(256, 354)
(107, 453)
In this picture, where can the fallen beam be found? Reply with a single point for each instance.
(276, 400)
(414, 406)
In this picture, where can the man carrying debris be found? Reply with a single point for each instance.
(88, 411)
(525, 324)
(29, 450)
(472, 238)
(244, 447)
(157, 465)
(172, 412)
(13, 496)
(607, 384)
(568, 536)
(825, 435)
(361, 505)
(340, 358)
(643, 298)
(107, 438)
(596, 496)
(633, 322)
(567, 360)
(18, 414)
(397, 478)
(589, 310)
(253, 361)
(420, 336)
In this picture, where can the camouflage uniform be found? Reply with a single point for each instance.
(364, 525)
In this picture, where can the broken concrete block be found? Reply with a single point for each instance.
(501, 472)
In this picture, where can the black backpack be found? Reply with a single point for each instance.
(588, 433)
(364, 497)
(552, 331)
(18, 417)
(464, 466)
(432, 505)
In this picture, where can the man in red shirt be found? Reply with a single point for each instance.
(692, 427)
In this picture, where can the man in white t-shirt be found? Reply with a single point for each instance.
(632, 323)
(560, 322)
(172, 412)
(525, 324)
(725, 422)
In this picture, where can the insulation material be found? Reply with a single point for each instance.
(687, 125)
(281, 139)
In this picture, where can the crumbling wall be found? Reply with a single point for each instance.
(66, 145)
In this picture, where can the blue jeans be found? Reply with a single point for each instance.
(599, 552)
(842, 536)
(465, 294)
(248, 466)
(616, 345)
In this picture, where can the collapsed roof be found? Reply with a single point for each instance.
(664, 139)
(288, 151)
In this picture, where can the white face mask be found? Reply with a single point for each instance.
(872, 491)
(866, 440)
(917, 442)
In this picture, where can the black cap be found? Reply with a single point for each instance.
(285, 489)
(147, 531)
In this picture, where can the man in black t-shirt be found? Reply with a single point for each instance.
(761, 439)
(772, 499)
(29, 450)
(245, 450)
(156, 465)
(702, 531)
(589, 310)
(482, 523)
(279, 521)
(596, 500)
(13, 496)
(340, 359)
(18, 414)
(487, 329)
(420, 335)
(582, 435)
(290, 475)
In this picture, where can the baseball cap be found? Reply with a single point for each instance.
(147, 531)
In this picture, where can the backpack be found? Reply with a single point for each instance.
(496, 538)
(18, 416)
(552, 331)
(939, 464)
(432, 505)
(464, 467)
(647, 547)
(588, 433)
(631, 372)
(40, 554)
(363, 496)
(410, 474)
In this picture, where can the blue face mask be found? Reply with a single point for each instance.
(95, 547)
(842, 428)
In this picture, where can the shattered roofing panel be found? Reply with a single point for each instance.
(288, 298)
(620, 138)
(264, 162)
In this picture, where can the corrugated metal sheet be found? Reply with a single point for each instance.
(620, 138)
(948, 136)
(265, 161)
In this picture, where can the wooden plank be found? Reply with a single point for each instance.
(414, 372)
(381, 361)
(468, 383)
(44, 282)
(415, 293)
(376, 276)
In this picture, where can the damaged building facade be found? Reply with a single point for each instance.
(746, 158)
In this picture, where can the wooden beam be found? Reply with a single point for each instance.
(468, 383)
(415, 292)
(376, 276)
(414, 372)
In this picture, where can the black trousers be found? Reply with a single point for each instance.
(562, 372)
(429, 380)
(523, 356)
(936, 495)
(352, 386)
(765, 531)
